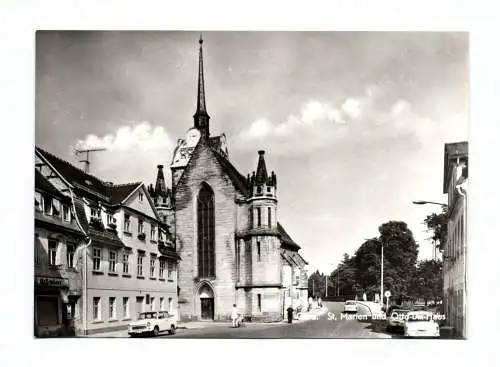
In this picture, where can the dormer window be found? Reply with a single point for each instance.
(66, 213)
(93, 213)
(56, 208)
(38, 201)
(47, 205)
(141, 196)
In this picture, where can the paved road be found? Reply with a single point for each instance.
(330, 325)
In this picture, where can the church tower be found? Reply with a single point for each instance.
(162, 198)
(260, 283)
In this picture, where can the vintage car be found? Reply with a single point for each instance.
(421, 324)
(153, 323)
(396, 318)
(350, 307)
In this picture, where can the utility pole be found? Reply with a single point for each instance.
(87, 152)
(326, 286)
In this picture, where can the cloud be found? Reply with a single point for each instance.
(369, 116)
(132, 152)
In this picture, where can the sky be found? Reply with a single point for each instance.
(353, 123)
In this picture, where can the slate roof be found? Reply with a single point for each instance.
(286, 239)
(41, 183)
(113, 194)
(104, 238)
(238, 180)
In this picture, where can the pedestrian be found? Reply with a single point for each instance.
(319, 302)
(234, 315)
(289, 311)
(310, 303)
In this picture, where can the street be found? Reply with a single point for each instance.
(324, 327)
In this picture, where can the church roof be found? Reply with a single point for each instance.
(286, 239)
(238, 180)
(261, 176)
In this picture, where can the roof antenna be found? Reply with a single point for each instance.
(87, 159)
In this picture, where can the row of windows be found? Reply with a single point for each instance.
(259, 217)
(457, 238)
(97, 314)
(155, 234)
(125, 261)
(52, 206)
(53, 247)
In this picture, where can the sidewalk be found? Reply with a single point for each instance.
(314, 314)
(180, 326)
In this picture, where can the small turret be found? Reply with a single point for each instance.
(260, 183)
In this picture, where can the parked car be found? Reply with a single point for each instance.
(153, 323)
(421, 324)
(350, 307)
(396, 319)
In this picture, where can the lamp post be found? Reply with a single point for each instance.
(423, 202)
(443, 206)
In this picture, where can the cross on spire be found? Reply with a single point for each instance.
(201, 117)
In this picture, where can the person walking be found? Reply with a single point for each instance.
(234, 315)
(289, 311)
(310, 303)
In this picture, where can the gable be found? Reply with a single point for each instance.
(144, 206)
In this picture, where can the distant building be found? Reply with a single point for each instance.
(455, 250)
(127, 261)
(233, 249)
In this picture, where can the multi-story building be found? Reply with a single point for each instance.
(58, 285)
(233, 249)
(128, 261)
(455, 249)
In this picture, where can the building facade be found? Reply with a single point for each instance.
(127, 261)
(58, 285)
(226, 229)
(455, 249)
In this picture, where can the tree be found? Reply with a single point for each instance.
(344, 278)
(400, 257)
(427, 282)
(316, 284)
(438, 225)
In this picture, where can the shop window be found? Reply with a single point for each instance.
(126, 308)
(96, 308)
(112, 308)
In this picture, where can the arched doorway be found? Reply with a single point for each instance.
(207, 306)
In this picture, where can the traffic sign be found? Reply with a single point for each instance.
(387, 294)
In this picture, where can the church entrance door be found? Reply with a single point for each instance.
(207, 308)
(207, 304)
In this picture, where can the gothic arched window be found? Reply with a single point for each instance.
(206, 232)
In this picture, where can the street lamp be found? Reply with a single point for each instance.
(423, 202)
(443, 206)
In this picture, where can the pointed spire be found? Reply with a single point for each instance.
(261, 176)
(201, 116)
(161, 187)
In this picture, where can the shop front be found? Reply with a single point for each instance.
(51, 306)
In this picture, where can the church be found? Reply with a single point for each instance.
(232, 248)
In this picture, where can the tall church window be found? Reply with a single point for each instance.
(269, 217)
(259, 217)
(206, 233)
